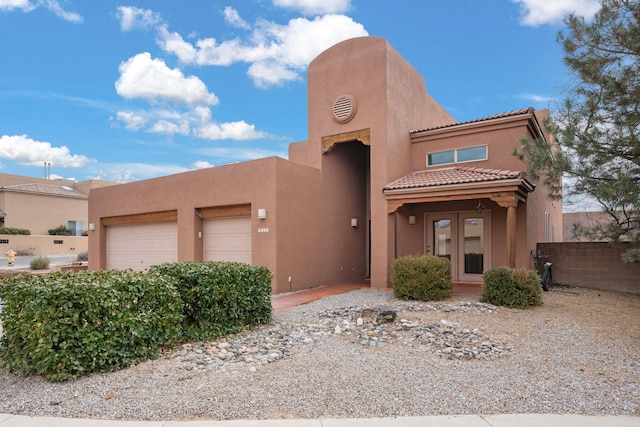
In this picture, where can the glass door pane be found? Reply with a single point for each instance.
(442, 238)
(473, 235)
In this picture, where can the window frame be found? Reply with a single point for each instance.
(455, 155)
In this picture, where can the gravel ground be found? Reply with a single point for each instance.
(579, 353)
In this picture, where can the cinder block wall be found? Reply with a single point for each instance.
(596, 265)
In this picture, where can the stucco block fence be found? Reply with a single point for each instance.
(596, 265)
(44, 244)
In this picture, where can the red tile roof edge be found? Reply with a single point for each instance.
(523, 111)
(489, 175)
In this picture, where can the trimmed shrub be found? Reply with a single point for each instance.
(61, 230)
(24, 252)
(513, 288)
(68, 324)
(422, 277)
(39, 263)
(220, 297)
(15, 231)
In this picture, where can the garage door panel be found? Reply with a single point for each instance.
(140, 246)
(228, 239)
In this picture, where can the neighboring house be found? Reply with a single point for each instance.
(386, 172)
(39, 205)
(589, 219)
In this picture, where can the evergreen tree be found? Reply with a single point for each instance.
(597, 127)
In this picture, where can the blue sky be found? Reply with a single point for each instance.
(129, 90)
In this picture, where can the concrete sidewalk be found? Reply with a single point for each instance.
(526, 420)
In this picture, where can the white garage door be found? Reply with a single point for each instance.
(139, 246)
(228, 239)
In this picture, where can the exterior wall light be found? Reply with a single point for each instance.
(262, 214)
(479, 208)
(92, 226)
(412, 219)
(354, 222)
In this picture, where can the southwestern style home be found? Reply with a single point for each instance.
(385, 172)
(39, 205)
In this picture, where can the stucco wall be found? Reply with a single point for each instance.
(40, 213)
(391, 99)
(44, 245)
(251, 182)
(592, 265)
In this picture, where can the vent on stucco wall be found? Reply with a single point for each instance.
(344, 108)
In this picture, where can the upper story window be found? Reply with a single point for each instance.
(459, 155)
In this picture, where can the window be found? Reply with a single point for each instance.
(459, 155)
(58, 242)
(441, 158)
(76, 227)
(4, 241)
(547, 217)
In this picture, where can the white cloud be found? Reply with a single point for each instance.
(277, 53)
(201, 164)
(170, 128)
(133, 171)
(195, 121)
(207, 51)
(54, 176)
(55, 7)
(227, 155)
(25, 5)
(232, 17)
(132, 18)
(315, 7)
(144, 77)
(539, 12)
(133, 121)
(52, 5)
(536, 98)
(240, 131)
(265, 74)
(26, 151)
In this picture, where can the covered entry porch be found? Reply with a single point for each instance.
(474, 217)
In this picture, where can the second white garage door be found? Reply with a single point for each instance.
(228, 239)
(139, 246)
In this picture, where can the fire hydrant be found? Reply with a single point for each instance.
(11, 257)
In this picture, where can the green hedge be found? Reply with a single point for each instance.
(15, 231)
(422, 277)
(514, 288)
(220, 297)
(68, 324)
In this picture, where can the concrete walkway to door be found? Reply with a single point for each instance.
(283, 301)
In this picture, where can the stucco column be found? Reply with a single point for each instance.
(511, 236)
(509, 201)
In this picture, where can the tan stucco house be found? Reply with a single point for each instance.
(386, 172)
(39, 205)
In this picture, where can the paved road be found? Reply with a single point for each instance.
(24, 261)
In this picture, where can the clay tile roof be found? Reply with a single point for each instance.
(450, 176)
(46, 189)
(513, 113)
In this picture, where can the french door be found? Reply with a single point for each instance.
(464, 239)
